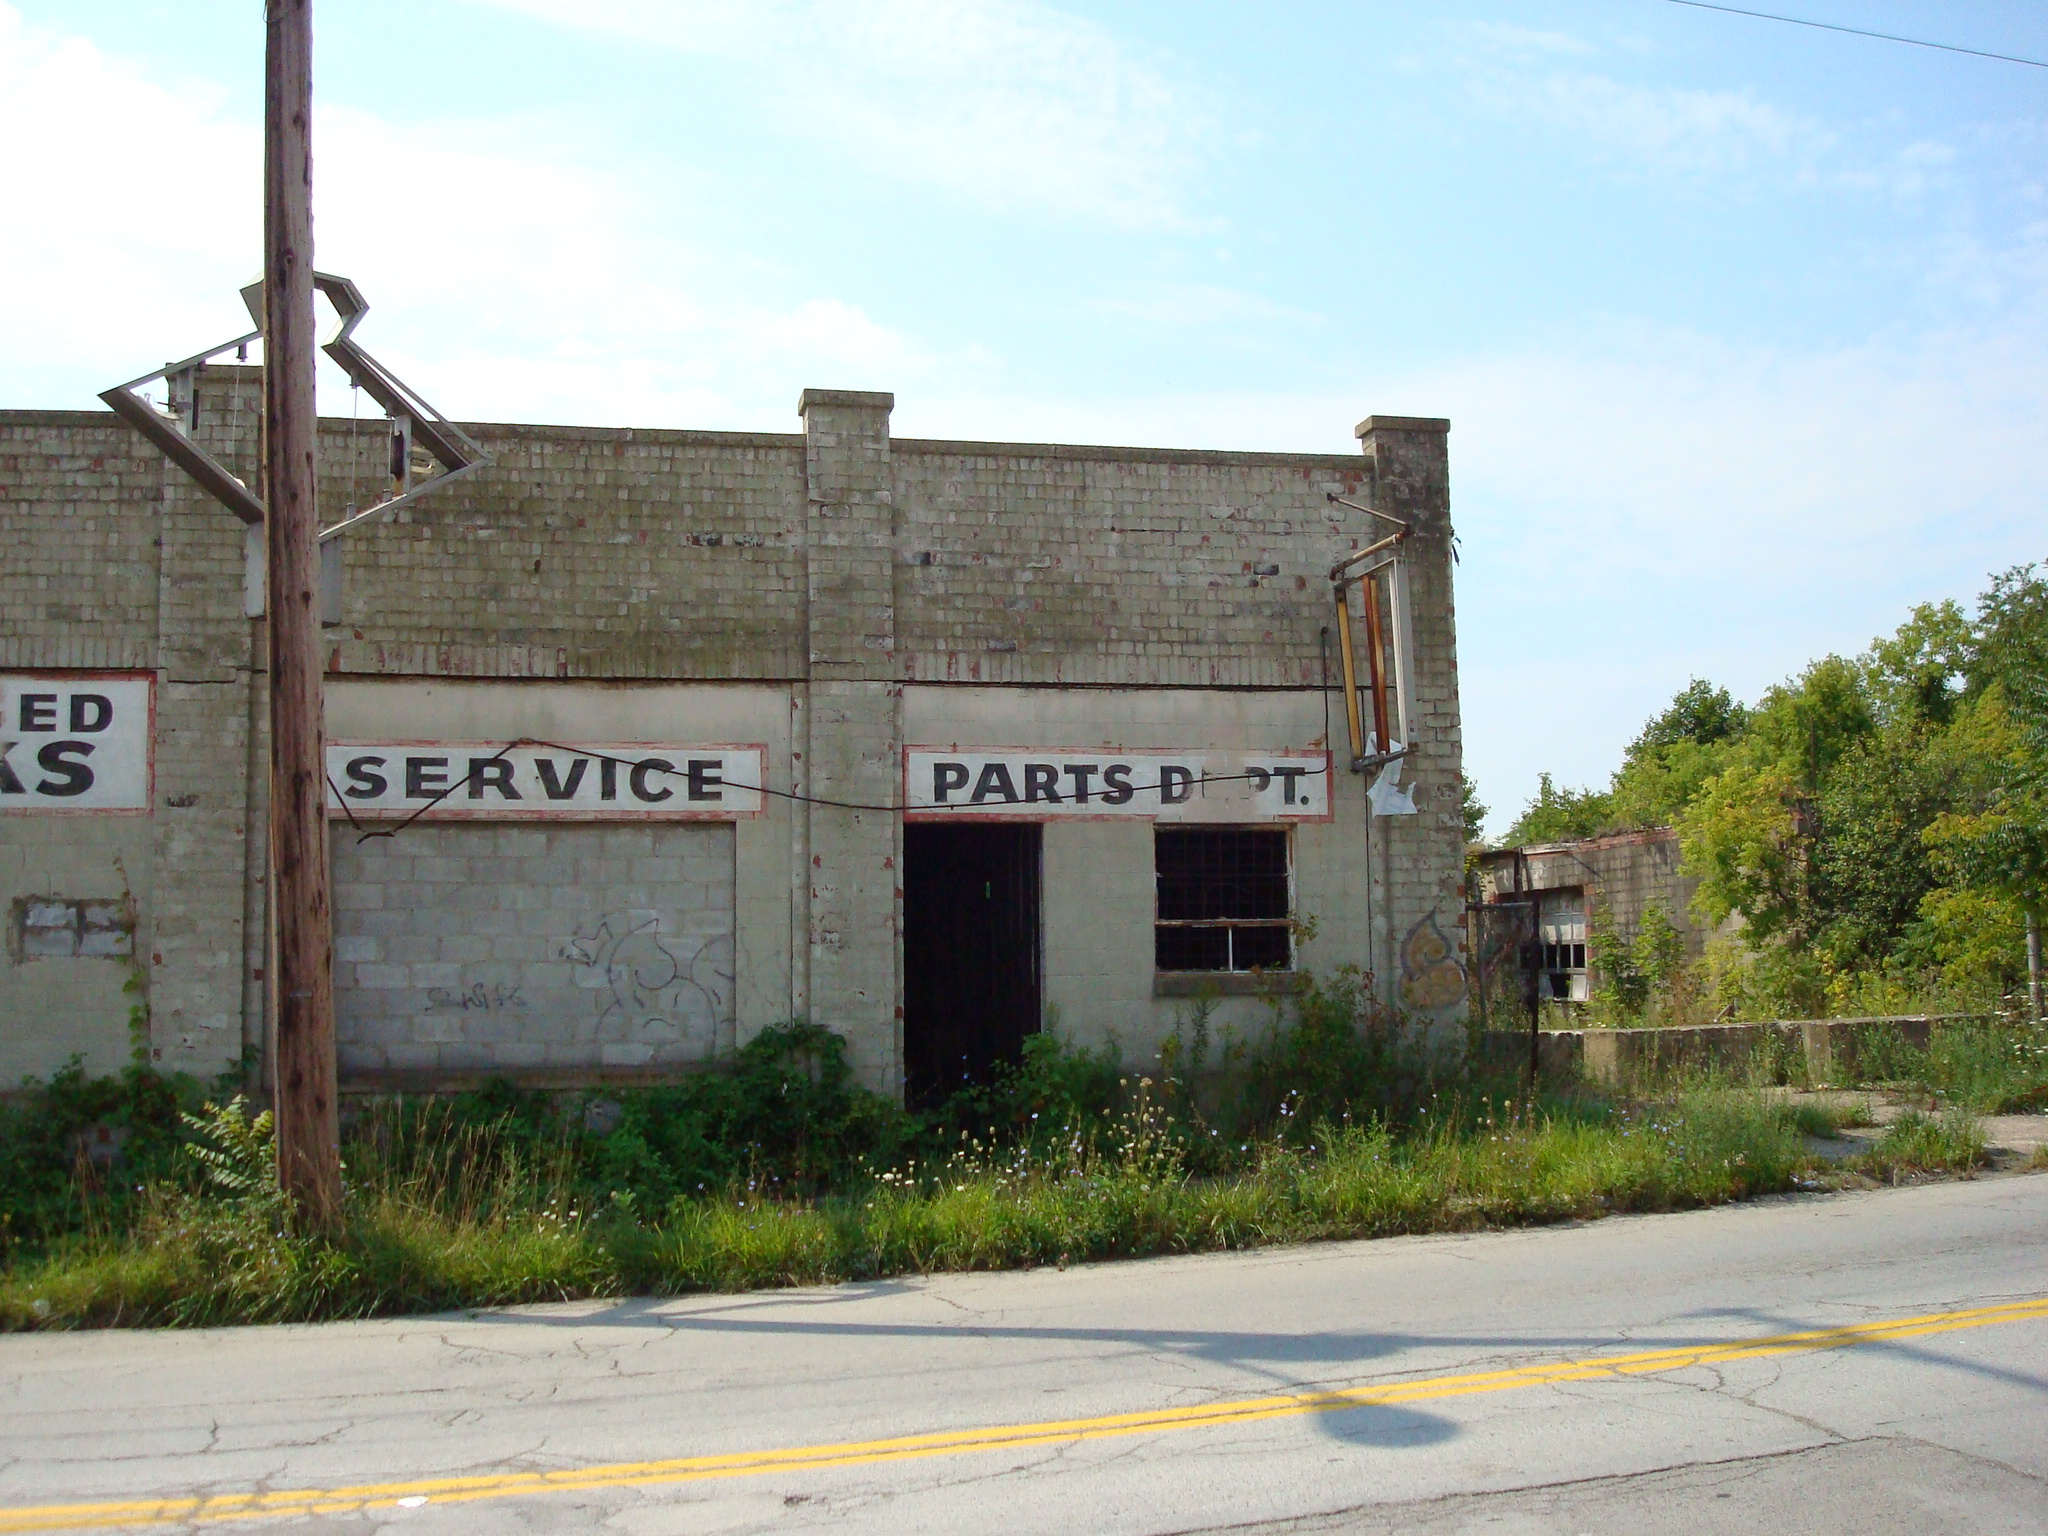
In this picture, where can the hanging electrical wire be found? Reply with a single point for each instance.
(1883, 37)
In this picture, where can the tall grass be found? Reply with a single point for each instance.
(450, 1215)
(1339, 1123)
(1988, 1067)
(1952, 1142)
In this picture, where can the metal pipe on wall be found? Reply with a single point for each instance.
(1345, 655)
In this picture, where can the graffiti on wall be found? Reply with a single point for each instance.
(1432, 977)
(651, 987)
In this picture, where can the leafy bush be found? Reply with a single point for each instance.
(50, 1180)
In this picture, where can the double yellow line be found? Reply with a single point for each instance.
(1001, 1437)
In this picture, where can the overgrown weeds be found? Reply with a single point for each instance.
(1342, 1121)
(1952, 1142)
(516, 1232)
(1989, 1067)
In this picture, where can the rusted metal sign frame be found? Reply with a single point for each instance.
(414, 420)
(1344, 575)
(171, 434)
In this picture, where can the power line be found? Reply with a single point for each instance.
(1886, 37)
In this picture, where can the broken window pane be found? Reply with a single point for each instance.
(1562, 920)
(1224, 902)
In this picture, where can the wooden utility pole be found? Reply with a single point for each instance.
(302, 979)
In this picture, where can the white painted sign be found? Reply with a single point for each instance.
(584, 781)
(76, 741)
(1166, 786)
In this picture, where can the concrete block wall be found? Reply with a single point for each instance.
(115, 564)
(196, 957)
(585, 949)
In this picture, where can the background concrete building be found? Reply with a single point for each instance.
(1594, 884)
(932, 742)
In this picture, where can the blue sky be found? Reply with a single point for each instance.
(1740, 326)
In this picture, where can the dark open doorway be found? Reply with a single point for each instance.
(970, 952)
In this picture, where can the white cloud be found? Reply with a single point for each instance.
(128, 202)
(524, 285)
(1006, 103)
(1183, 306)
(1662, 131)
(1505, 37)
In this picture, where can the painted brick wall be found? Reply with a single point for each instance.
(579, 552)
(854, 715)
(838, 565)
(78, 588)
(1419, 901)
(1090, 565)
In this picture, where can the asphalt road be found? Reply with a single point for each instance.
(1861, 1363)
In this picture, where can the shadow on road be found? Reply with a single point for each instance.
(1317, 1359)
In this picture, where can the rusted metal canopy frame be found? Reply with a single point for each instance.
(1344, 575)
(418, 422)
(170, 433)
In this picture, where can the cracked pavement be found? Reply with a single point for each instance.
(1931, 1434)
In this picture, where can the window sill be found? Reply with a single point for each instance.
(1226, 983)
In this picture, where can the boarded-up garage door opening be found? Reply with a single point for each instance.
(468, 948)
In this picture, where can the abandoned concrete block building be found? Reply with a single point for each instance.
(1573, 890)
(641, 741)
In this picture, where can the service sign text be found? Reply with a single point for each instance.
(1166, 786)
(580, 781)
(75, 741)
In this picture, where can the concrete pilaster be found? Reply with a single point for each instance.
(195, 950)
(1418, 860)
(853, 728)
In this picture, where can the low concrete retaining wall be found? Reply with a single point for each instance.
(1821, 1050)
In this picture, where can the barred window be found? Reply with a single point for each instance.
(1225, 902)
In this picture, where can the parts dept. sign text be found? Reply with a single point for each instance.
(586, 781)
(1167, 786)
(76, 741)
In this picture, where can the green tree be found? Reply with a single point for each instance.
(1472, 809)
(1870, 866)
(1811, 724)
(2001, 850)
(1917, 675)
(1638, 971)
(1740, 837)
(1559, 815)
(1674, 755)
(1700, 712)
